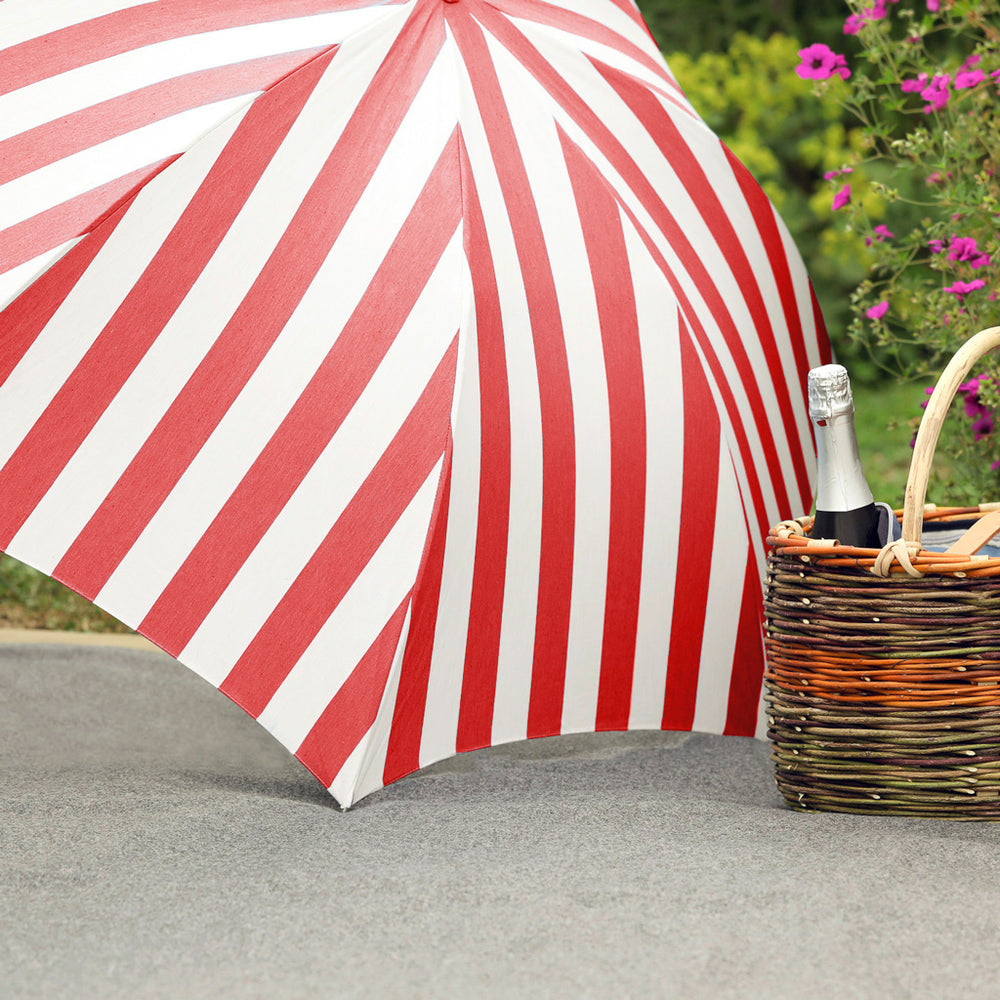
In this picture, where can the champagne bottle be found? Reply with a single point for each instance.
(845, 507)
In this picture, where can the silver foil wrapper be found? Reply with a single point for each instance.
(829, 392)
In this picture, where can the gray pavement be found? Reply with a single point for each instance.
(156, 842)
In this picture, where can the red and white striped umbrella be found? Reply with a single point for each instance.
(422, 374)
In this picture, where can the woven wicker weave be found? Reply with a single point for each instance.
(883, 667)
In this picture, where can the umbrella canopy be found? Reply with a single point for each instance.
(425, 375)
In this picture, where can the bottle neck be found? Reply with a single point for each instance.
(840, 477)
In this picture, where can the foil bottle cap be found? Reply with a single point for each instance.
(829, 392)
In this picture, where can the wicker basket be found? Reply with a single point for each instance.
(883, 666)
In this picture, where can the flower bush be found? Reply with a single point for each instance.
(921, 198)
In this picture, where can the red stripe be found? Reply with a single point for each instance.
(69, 134)
(695, 558)
(50, 229)
(403, 750)
(144, 24)
(296, 445)
(25, 318)
(347, 548)
(353, 709)
(482, 651)
(767, 226)
(286, 276)
(674, 147)
(573, 23)
(612, 281)
(151, 302)
(675, 150)
(628, 7)
(748, 658)
(825, 347)
(621, 160)
(555, 573)
(735, 413)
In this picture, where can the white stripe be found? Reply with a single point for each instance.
(723, 182)
(558, 45)
(85, 86)
(81, 172)
(92, 301)
(541, 152)
(517, 632)
(659, 336)
(193, 328)
(803, 303)
(17, 279)
(320, 498)
(803, 298)
(363, 770)
(609, 107)
(722, 611)
(343, 787)
(604, 13)
(716, 259)
(730, 442)
(444, 682)
(354, 624)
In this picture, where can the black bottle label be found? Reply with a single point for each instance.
(858, 527)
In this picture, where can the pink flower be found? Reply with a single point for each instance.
(937, 93)
(968, 78)
(915, 85)
(983, 426)
(936, 246)
(973, 60)
(962, 288)
(819, 62)
(877, 312)
(881, 234)
(855, 22)
(832, 175)
(933, 5)
(966, 250)
(842, 197)
(970, 389)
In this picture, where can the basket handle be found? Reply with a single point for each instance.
(958, 368)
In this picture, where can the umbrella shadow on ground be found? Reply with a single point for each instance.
(640, 765)
(302, 787)
(127, 718)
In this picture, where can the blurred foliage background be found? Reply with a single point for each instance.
(695, 29)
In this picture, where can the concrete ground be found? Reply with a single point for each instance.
(156, 842)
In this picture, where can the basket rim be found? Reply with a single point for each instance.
(791, 538)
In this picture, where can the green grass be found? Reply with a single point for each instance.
(29, 599)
